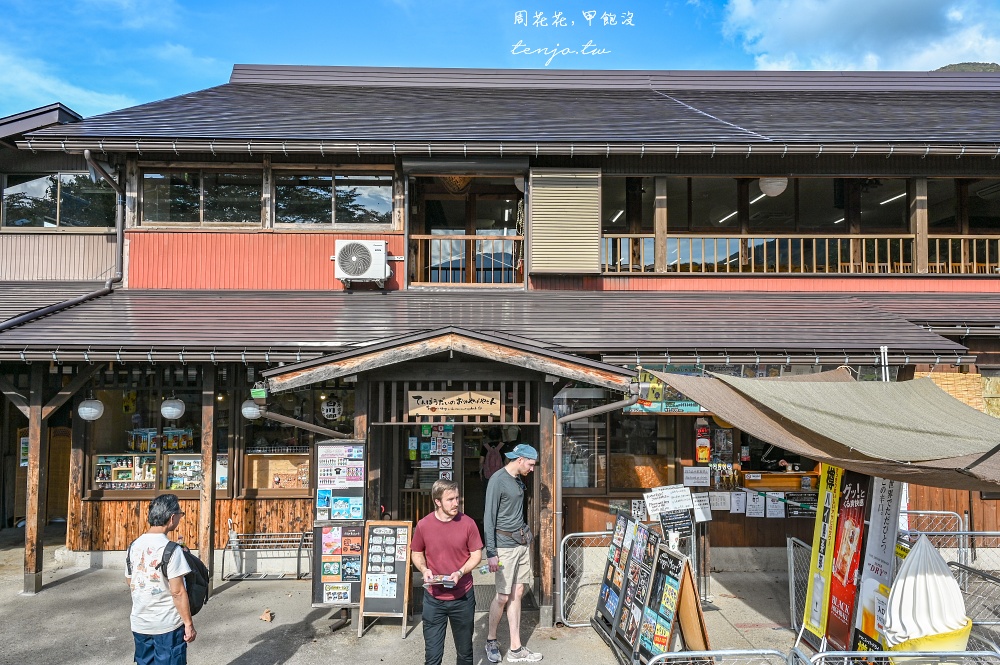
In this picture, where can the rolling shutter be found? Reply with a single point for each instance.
(565, 221)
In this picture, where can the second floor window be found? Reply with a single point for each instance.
(332, 199)
(68, 200)
(201, 197)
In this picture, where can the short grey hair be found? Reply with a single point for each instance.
(162, 508)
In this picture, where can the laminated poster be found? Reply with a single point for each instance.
(738, 503)
(775, 505)
(719, 500)
(336, 593)
(702, 507)
(755, 505)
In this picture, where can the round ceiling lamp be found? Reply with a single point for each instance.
(90, 409)
(250, 410)
(172, 408)
(773, 186)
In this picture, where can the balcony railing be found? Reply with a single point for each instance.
(963, 254)
(771, 254)
(471, 260)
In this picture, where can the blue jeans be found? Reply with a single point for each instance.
(166, 649)
(436, 615)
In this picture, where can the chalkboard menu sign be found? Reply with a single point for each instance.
(385, 577)
(676, 520)
(801, 504)
(337, 549)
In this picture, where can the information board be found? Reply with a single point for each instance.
(340, 480)
(337, 550)
(614, 573)
(385, 575)
(639, 572)
(671, 610)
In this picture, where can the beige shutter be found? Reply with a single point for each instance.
(564, 233)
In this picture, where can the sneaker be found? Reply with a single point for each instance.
(493, 651)
(522, 655)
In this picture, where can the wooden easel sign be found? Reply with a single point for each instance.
(672, 611)
(385, 576)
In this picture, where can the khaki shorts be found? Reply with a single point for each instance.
(516, 568)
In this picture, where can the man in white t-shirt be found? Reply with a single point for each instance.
(161, 615)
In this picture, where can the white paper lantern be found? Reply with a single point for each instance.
(90, 409)
(332, 409)
(172, 408)
(773, 186)
(250, 410)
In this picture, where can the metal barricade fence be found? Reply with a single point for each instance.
(905, 658)
(982, 604)
(722, 657)
(584, 557)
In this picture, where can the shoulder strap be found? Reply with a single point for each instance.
(167, 552)
(490, 448)
(128, 558)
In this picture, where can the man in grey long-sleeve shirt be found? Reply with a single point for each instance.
(508, 539)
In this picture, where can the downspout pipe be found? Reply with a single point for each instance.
(635, 389)
(318, 429)
(119, 257)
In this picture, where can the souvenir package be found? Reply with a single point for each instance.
(178, 439)
(143, 440)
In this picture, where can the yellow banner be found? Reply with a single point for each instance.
(821, 562)
(453, 403)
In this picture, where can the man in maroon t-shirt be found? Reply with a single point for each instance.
(446, 548)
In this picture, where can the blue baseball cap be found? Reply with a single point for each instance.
(523, 450)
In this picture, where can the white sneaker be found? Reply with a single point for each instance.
(522, 655)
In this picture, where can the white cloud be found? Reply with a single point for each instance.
(131, 14)
(865, 34)
(181, 56)
(28, 84)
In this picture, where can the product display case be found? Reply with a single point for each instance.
(125, 472)
(284, 467)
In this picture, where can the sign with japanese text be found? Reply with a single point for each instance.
(453, 403)
(846, 558)
(877, 564)
(821, 561)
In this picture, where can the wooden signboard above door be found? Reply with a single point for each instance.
(453, 403)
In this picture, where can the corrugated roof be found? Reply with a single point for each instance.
(621, 79)
(20, 297)
(575, 322)
(280, 112)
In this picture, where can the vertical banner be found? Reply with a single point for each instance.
(821, 562)
(876, 567)
(846, 558)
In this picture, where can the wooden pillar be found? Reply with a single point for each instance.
(75, 524)
(34, 526)
(206, 498)
(548, 539)
(919, 225)
(660, 224)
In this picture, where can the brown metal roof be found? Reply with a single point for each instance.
(21, 297)
(476, 110)
(163, 325)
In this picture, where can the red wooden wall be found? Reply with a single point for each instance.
(261, 260)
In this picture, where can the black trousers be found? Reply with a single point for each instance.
(436, 615)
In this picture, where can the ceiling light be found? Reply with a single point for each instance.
(773, 186)
(897, 196)
(839, 220)
(172, 408)
(758, 199)
(726, 217)
(617, 215)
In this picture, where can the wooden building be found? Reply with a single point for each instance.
(352, 236)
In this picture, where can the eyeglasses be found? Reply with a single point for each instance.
(179, 513)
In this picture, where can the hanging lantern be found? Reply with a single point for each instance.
(332, 409)
(172, 408)
(773, 186)
(250, 410)
(90, 409)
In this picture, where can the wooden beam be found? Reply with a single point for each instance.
(660, 224)
(548, 540)
(38, 449)
(70, 389)
(206, 497)
(451, 342)
(15, 395)
(919, 225)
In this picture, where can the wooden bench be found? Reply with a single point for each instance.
(280, 545)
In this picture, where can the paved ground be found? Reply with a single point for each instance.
(81, 616)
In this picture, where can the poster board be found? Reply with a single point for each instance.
(671, 610)
(340, 480)
(337, 549)
(613, 582)
(385, 573)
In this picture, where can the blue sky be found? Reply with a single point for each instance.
(101, 55)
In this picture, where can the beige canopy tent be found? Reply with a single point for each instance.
(910, 431)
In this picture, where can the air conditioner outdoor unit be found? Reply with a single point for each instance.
(361, 261)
